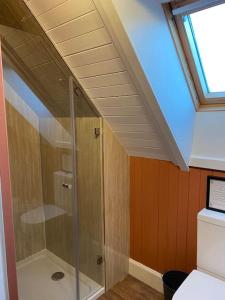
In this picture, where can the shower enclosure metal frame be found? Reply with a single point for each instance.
(75, 202)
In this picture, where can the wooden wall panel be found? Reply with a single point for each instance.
(173, 212)
(150, 171)
(162, 213)
(164, 206)
(193, 208)
(181, 229)
(136, 213)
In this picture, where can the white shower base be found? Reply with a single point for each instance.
(35, 283)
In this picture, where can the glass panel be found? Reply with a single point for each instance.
(208, 30)
(40, 138)
(40, 163)
(89, 197)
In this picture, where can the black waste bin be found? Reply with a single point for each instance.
(172, 280)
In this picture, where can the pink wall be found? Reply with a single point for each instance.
(7, 195)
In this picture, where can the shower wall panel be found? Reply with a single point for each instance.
(25, 169)
(117, 208)
(56, 158)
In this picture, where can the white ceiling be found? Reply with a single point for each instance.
(77, 30)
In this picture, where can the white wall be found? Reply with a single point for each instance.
(200, 136)
(209, 140)
(148, 31)
(3, 272)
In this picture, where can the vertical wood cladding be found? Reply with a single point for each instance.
(164, 206)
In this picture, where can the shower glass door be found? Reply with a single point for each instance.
(88, 154)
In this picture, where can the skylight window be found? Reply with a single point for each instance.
(204, 32)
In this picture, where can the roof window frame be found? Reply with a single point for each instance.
(188, 44)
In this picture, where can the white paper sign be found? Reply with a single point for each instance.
(217, 194)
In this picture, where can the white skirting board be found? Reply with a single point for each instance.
(146, 275)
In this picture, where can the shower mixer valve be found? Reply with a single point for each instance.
(67, 186)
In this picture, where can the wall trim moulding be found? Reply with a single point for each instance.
(146, 275)
(207, 162)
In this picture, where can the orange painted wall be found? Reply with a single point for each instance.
(164, 206)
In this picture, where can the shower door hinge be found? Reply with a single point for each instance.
(78, 91)
(99, 260)
(97, 132)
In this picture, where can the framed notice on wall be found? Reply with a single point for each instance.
(216, 193)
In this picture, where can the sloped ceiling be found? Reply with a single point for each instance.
(80, 36)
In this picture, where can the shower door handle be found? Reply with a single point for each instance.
(67, 186)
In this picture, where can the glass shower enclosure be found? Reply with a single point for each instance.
(55, 158)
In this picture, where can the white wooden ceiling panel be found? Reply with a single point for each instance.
(134, 127)
(36, 58)
(46, 70)
(123, 111)
(137, 135)
(147, 152)
(109, 91)
(84, 42)
(15, 37)
(28, 48)
(91, 56)
(86, 23)
(79, 34)
(105, 67)
(106, 80)
(65, 12)
(122, 101)
(152, 149)
(42, 6)
(131, 142)
(134, 120)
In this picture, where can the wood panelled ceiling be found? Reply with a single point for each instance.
(77, 31)
(34, 57)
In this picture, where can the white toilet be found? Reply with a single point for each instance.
(208, 281)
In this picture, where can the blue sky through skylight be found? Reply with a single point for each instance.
(209, 30)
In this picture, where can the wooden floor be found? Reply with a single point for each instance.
(131, 289)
